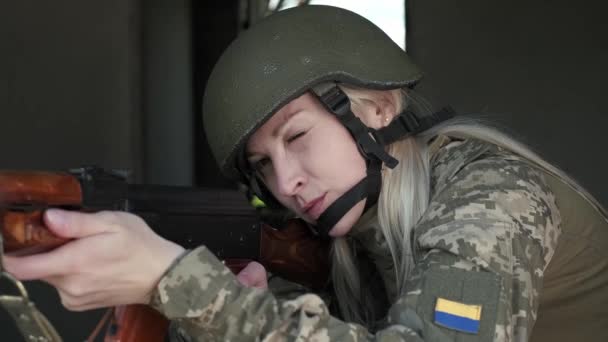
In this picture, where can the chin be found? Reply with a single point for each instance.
(347, 221)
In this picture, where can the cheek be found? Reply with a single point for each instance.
(336, 161)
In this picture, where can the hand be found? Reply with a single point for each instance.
(114, 259)
(253, 275)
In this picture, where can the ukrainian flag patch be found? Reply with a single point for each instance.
(457, 316)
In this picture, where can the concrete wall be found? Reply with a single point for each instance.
(168, 122)
(69, 96)
(104, 83)
(69, 84)
(538, 68)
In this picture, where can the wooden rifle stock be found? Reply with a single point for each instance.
(292, 252)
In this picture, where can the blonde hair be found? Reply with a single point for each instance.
(404, 198)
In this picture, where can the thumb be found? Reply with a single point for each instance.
(253, 275)
(74, 224)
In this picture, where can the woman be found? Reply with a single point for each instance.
(443, 230)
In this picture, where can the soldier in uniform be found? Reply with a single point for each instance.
(442, 229)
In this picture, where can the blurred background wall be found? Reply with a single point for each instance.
(536, 68)
(103, 83)
(70, 95)
(119, 84)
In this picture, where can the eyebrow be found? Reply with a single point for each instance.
(286, 118)
(275, 131)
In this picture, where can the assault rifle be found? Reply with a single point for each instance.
(220, 219)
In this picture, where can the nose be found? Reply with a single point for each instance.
(290, 176)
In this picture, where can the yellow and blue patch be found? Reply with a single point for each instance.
(457, 316)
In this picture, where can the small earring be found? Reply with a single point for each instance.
(387, 119)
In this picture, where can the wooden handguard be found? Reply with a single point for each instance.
(37, 187)
(23, 197)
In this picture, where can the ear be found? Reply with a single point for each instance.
(378, 110)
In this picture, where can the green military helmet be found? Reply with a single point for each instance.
(283, 56)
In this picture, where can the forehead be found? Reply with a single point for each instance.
(304, 102)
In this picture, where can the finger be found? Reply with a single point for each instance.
(45, 265)
(54, 281)
(74, 303)
(74, 292)
(253, 275)
(93, 300)
(74, 224)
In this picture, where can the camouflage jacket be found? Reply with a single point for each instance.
(480, 252)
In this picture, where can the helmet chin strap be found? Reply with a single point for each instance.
(370, 143)
(367, 188)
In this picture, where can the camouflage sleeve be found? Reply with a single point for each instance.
(203, 297)
(482, 247)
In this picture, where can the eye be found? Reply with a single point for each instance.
(261, 165)
(295, 137)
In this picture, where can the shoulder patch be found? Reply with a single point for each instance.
(464, 304)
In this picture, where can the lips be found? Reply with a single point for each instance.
(314, 208)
